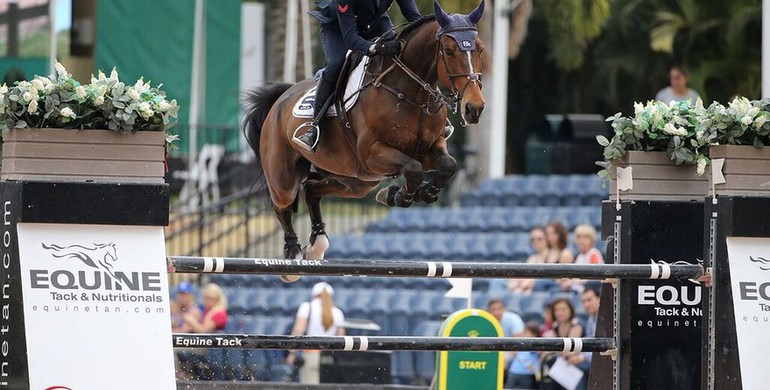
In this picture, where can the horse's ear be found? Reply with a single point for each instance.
(441, 17)
(475, 16)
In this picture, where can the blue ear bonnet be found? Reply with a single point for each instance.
(462, 30)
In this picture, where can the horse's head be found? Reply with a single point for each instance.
(460, 59)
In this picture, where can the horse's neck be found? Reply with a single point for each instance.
(420, 57)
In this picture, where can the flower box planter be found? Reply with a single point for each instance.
(656, 177)
(746, 170)
(101, 156)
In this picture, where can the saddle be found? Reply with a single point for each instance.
(348, 85)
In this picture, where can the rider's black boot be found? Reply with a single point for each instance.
(309, 139)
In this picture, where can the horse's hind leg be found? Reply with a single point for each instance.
(445, 166)
(315, 189)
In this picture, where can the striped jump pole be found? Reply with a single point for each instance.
(431, 269)
(393, 343)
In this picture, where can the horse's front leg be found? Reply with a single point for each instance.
(386, 160)
(445, 166)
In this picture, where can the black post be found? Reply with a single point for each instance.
(660, 321)
(13, 30)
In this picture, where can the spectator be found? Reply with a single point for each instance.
(183, 303)
(193, 363)
(677, 90)
(540, 247)
(590, 300)
(585, 240)
(547, 319)
(214, 315)
(565, 325)
(556, 233)
(524, 365)
(319, 317)
(510, 322)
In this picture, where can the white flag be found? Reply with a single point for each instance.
(461, 288)
(625, 179)
(716, 171)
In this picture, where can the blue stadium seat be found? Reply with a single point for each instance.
(425, 362)
(402, 367)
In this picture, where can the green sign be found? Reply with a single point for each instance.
(462, 370)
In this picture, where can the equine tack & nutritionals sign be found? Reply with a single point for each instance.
(750, 281)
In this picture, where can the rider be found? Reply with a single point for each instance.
(350, 25)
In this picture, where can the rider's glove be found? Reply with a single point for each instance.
(389, 48)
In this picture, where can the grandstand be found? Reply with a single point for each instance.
(492, 224)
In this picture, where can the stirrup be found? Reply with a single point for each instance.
(298, 142)
(449, 129)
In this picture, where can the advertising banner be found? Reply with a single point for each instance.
(750, 274)
(96, 307)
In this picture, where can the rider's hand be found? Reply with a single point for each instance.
(389, 48)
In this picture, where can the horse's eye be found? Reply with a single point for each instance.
(450, 52)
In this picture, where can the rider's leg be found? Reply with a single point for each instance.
(334, 49)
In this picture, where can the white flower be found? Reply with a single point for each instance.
(28, 96)
(3, 89)
(751, 113)
(102, 77)
(80, 92)
(670, 129)
(32, 107)
(699, 109)
(746, 120)
(145, 111)
(638, 108)
(133, 94)
(114, 75)
(99, 101)
(163, 106)
(101, 90)
(701, 168)
(38, 84)
(60, 70)
(759, 121)
(67, 113)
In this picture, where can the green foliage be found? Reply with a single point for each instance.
(572, 25)
(685, 132)
(59, 101)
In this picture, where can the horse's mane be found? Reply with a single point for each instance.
(411, 27)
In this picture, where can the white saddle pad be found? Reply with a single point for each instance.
(304, 107)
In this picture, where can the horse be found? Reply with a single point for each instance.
(396, 127)
(101, 256)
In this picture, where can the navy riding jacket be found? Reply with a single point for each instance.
(357, 18)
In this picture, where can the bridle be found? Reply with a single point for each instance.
(436, 97)
(470, 76)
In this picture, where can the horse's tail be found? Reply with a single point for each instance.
(257, 103)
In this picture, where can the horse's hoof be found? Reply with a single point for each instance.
(317, 250)
(402, 199)
(289, 278)
(386, 195)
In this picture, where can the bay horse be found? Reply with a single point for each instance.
(396, 127)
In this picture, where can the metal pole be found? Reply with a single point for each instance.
(196, 88)
(497, 134)
(765, 48)
(430, 269)
(290, 46)
(307, 51)
(52, 37)
(392, 343)
(13, 29)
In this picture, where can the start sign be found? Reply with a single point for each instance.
(470, 370)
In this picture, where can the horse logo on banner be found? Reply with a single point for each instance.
(101, 256)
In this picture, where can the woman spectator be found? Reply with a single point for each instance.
(214, 315)
(319, 317)
(539, 245)
(556, 234)
(548, 324)
(565, 324)
(585, 239)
